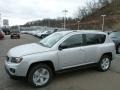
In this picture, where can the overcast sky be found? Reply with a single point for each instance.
(22, 11)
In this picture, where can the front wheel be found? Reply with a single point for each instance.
(42, 36)
(40, 75)
(104, 63)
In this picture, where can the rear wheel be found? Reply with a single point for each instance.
(18, 37)
(40, 75)
(104, 63)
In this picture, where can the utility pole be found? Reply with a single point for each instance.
(62, 25)
(49, 23)
(78, 24)
(103, 16)
(65, 12)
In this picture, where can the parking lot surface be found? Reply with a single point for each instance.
(86, 79)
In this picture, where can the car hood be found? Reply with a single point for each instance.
(27, 49)
(115, 39)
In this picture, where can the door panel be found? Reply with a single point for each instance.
(72, 54)
(71, 57)
(92, 41)
(90, 53)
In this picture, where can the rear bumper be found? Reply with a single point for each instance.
(15, 35)
(1, 36)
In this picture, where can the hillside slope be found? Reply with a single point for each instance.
(91, 21)
(112, 19)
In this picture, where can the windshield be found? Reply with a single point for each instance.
(115, 34)
(52, 39)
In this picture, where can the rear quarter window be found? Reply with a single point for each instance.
(102, 38)
(92, 39)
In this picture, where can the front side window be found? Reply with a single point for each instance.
(74, 41)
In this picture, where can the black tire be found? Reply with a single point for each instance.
(118, 49)
(100, 67)
(34, 69)
(11, 37)
(42, 36)
(18, 37)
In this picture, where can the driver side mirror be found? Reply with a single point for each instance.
(63, 46)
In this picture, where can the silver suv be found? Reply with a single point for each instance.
(60, 51)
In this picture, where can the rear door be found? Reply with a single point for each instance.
(91, 48)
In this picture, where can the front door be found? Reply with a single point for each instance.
(73, 54)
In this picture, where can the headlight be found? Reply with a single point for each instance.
(16, 59)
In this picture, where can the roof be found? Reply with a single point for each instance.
(84, 31)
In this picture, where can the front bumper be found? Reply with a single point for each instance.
(16, 69)
(10, 68)
(13, 76)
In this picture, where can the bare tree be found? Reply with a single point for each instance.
(81, 13)
(91, 7)
(104, 2)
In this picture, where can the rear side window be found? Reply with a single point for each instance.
(102, 38)
(92, 39)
